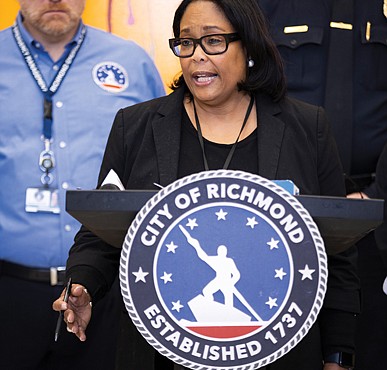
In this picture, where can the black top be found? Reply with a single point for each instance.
(191, 158)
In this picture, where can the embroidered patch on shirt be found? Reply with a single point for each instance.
(110, 76)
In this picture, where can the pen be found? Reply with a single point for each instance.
(60, 318)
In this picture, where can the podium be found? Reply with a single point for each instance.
(109, 213)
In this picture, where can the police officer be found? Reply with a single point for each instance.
(335, 53)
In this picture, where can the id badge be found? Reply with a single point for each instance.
(42, 200)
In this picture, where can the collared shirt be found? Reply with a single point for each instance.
(107, 74)
(306, 55)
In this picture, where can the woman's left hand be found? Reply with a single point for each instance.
(333, 366)
(358, 195)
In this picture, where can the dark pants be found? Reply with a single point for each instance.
(28, 323)
(371, 337)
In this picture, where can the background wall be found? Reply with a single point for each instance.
(148, 22)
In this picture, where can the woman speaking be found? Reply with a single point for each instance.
(228, 110)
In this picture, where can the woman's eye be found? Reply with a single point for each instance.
(186, 43)
(214, 41)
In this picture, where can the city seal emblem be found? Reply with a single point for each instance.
(223, 270)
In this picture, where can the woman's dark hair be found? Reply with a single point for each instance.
(248, 21)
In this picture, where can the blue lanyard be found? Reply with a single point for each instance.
(48, 91)
(46, 158)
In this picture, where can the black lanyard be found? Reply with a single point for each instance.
(232, 150)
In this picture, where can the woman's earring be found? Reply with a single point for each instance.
(251, 63)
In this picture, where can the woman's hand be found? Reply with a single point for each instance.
(77, 311)
(332, 366)
(358, 195)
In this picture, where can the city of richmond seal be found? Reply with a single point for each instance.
(223, 270)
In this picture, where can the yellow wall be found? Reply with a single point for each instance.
(148, 22)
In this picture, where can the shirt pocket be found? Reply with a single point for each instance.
(373, 54)
(303, 56)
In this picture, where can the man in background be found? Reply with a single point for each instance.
(335, 55)
(61, 83)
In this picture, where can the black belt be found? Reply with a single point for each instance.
(52, 275)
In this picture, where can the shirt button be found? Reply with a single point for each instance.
(67, 227)
(62, 144)
(55, 67)
(65, 185)
(59, 104)
(37, 45)
(293, 42)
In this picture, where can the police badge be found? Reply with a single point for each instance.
(223, 270)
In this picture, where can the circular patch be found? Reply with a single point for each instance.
(223, 270)
(110, 76)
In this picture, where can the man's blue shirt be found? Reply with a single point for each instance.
(107, 74)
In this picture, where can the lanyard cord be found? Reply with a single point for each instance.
(48, 92)
(46, 158)
(232, 150)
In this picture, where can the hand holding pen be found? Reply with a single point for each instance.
(75, 309)
(60, 318)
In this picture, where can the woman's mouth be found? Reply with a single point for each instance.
(204, 77)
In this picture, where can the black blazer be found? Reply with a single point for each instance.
(294, 142)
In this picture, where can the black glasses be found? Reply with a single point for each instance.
(184, 47)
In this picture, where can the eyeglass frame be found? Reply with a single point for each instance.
(229, 37)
